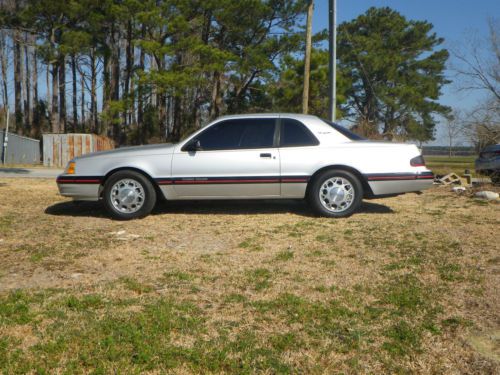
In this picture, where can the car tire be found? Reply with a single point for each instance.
(128, 195)
(495, 177)
(335, 193)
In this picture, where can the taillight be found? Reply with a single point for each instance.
(417, 161)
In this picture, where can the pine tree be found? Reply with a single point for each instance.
(394, 73)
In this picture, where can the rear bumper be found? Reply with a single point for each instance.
(398, 183)
(79, 188)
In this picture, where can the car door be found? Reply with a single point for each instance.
(234, 158)
(298, 152)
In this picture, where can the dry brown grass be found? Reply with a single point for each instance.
(409, 284)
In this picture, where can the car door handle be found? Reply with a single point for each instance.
(265, 155)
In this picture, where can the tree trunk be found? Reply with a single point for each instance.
(450, 145)
(75, 93)
(106, 95)
(129, 61)
(140, 101)
(115, 91)
(216, 98)
(17, 83)
(27, 89)
(47, 85)
(307, 59)
(54, 117)
(35, 79)
(162, 104)
(131, 114)
(176, 131)
(82, 93)
(93, 93)
(3, 61)
(36, 115)
(54, 113)
(162, 109)
(169, 116)
(62, 93)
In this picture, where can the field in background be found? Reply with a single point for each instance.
(408, 285)
(442, 165)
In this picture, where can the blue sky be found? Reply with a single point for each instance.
(454, 20)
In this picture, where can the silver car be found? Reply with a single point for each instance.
(258, 156)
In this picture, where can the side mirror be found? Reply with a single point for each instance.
(192, 146)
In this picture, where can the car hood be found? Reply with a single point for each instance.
(156, 149)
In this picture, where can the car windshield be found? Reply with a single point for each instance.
(346, 132)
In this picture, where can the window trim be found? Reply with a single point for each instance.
(275, 136)
(281, 127)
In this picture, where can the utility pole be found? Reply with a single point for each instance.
(307, 58)
(332, 49)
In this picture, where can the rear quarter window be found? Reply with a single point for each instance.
(345, 132)
(295, 134)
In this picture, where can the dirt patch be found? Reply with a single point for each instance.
(488, 344)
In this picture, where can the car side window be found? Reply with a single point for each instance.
(238, 134)
(295, 134)
(222, 136)
(258, 133)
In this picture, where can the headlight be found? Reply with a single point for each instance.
(70, 169)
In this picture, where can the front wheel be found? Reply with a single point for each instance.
(128, 195)
(335, 193)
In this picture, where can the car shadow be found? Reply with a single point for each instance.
(14, 170)
(77, 209)
(218, 207)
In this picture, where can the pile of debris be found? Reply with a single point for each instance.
(467, 185)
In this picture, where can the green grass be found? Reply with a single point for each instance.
(443, 165)
(251, 244)
(331, 320)
(235, 298)
(173, 276)
(84, 303)
(14, 309)
(93, 336)
(259, 278)
(99, 333)
(6, 222)
(284, 255)
(450, 272)
(36, 252)
(136, 286)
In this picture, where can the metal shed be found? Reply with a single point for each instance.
(59, 149)
(20, 150)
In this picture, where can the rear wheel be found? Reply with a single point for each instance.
(128, 195)
(495, 177)
(335, 193)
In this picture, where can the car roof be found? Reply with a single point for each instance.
(297, 116)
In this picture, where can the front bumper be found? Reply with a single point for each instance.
(78, 187)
